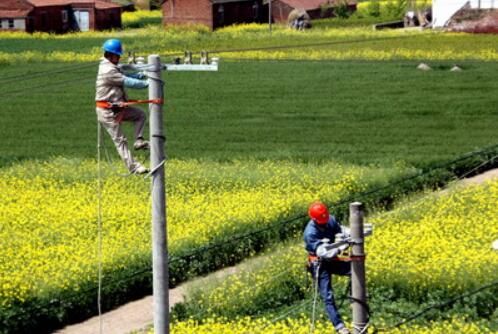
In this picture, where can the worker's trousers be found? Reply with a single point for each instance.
(112, 123)
(327, 268)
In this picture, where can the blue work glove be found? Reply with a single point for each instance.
(138, 75)
(135, 83)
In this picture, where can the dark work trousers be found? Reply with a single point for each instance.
(327, 268)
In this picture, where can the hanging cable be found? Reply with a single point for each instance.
(315, 297)
(99, 225)
(413, 316)
(33, 75)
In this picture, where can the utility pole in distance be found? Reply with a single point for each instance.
(269, 15)
(358, 285)
(160, 272)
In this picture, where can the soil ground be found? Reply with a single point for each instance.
(137, 315)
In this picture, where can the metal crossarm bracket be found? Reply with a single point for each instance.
(191, 67)
(366, 232)
(212, 67)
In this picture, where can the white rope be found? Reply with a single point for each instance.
(359, 328)
(99, 226)
(315, 297)
(108, 156)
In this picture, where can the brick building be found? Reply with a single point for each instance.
(59, 16)
(219, 13)
(213, 13)
(316, 9)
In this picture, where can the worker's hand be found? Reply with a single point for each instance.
(342, 248)
(141, 76)
(325, 252)
(135, 83)
(325, 241)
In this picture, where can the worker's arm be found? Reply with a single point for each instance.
(135, 83)
(137, 75)
(311, 241)
(326, 251)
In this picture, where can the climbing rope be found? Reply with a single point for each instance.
(99, 225)
(315, 297)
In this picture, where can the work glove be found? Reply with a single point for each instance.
(137, 75)
(326, 251)
(135, 83)
(342, 248)
(141, 76)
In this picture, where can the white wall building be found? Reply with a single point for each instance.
(443, 10)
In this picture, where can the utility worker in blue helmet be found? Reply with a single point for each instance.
(110, 93)
(319, 233)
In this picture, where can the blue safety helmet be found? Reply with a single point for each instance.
(113, 46)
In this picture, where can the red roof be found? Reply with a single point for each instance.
(100, 4)
(105, 4)
(11, 14)
(305, 4)
(14, 8)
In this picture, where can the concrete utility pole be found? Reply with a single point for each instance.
(159, 226)
(269, 14)
(358, 285)
(160, 272)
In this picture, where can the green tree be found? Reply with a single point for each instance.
(373, 8)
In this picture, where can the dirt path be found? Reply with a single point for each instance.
(137, 315)
(490, 174)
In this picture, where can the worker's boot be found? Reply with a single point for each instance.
(139, 170)
(344, 330)
(141, 144)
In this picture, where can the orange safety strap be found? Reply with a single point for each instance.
(351, 258)
(312, 258)
(109, 105)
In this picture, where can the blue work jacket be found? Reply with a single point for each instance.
(313, 234)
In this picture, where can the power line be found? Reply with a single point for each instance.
(418, 314)
(308, 45)
(269, 280)
(28, 76)
(71, 68)
(30, 89)
(187, 257)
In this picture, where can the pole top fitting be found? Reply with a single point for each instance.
(356, 206)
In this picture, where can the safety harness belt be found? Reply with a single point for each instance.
(112, 105)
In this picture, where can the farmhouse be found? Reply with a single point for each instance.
(315, 8)
(59, 16)
(213, 13)
(219, 13)
(465, 15)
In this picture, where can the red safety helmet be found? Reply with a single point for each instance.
(319, 213)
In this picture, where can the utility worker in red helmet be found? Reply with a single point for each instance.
(320, 232)
(110, 85)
